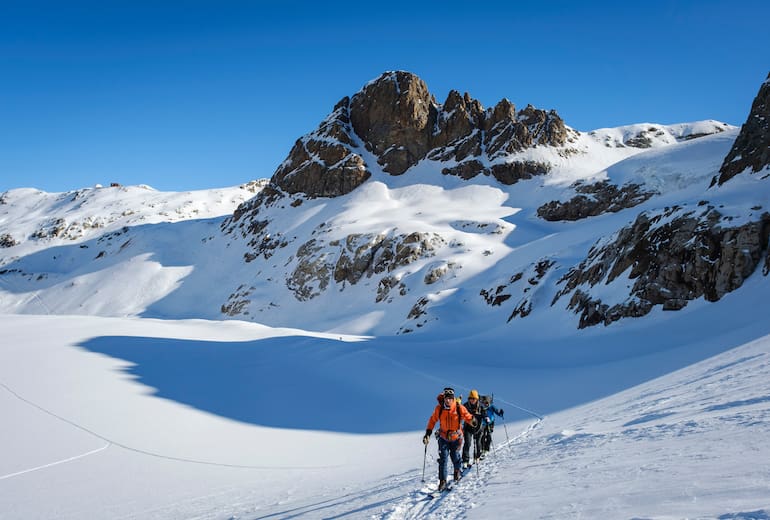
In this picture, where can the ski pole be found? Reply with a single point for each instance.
(424, 457)
(492, 443)
(507, 440)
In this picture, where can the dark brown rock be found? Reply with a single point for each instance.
(640, 140)
(6, 240)
(672, 258)
(324, 163)
(751, 150)
(458, 118)
(465, 170)
(545, 128)
(512, 172)
(395, 116)
(594, 199)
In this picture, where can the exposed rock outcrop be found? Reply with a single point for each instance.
(324, 163)
(394, 116)
(398, 120)
(524, 283)
(6, 240)
(594, 199)
(672, 258)
(359, 255)
(751, 150)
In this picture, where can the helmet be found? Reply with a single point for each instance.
(473, 395)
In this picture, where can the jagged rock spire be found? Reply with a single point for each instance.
(397, 119)
(751, 149)
(395, 115)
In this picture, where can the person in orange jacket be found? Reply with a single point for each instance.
(449, 414)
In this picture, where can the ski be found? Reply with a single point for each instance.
(430, 494)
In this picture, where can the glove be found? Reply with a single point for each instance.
(426, 437)
(474, 423)
(500, 412)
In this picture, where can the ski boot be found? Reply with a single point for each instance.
(458, 475)
(441, 485)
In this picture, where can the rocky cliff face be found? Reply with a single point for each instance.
(398, 120)
(324, 163)
(751, 150)
(664, 256)
(670, 258)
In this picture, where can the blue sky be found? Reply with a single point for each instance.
(201, 94)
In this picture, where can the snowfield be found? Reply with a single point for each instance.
(96, 427)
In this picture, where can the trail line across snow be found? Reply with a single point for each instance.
(51, 464)
(112, 442)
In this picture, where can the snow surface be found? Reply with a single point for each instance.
(95, 427)
(124, 394)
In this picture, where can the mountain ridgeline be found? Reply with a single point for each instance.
(671, 255)
(400, 214)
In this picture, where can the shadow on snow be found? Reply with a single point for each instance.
(286, 382)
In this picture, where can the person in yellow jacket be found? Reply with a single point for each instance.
(450, 415)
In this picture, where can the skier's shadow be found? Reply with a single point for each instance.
(288, 382)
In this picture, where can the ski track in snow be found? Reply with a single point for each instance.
(51, 464)
(402, 496)
(463, 495)
(111, 442)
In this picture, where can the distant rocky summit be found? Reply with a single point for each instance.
(751, 150)
(324, 163)
(400, 214)
(662, 256)
(398, 121)
(395, 121)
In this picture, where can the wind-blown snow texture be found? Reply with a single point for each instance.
(161, 361)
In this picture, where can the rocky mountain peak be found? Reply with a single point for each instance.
(503, 111)
(394, 116)
(752, 146)
(397, 119)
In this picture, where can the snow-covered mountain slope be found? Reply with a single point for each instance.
(137, 418)
(687, 445)
(133, 251)
(402, 215)
(107, 250)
